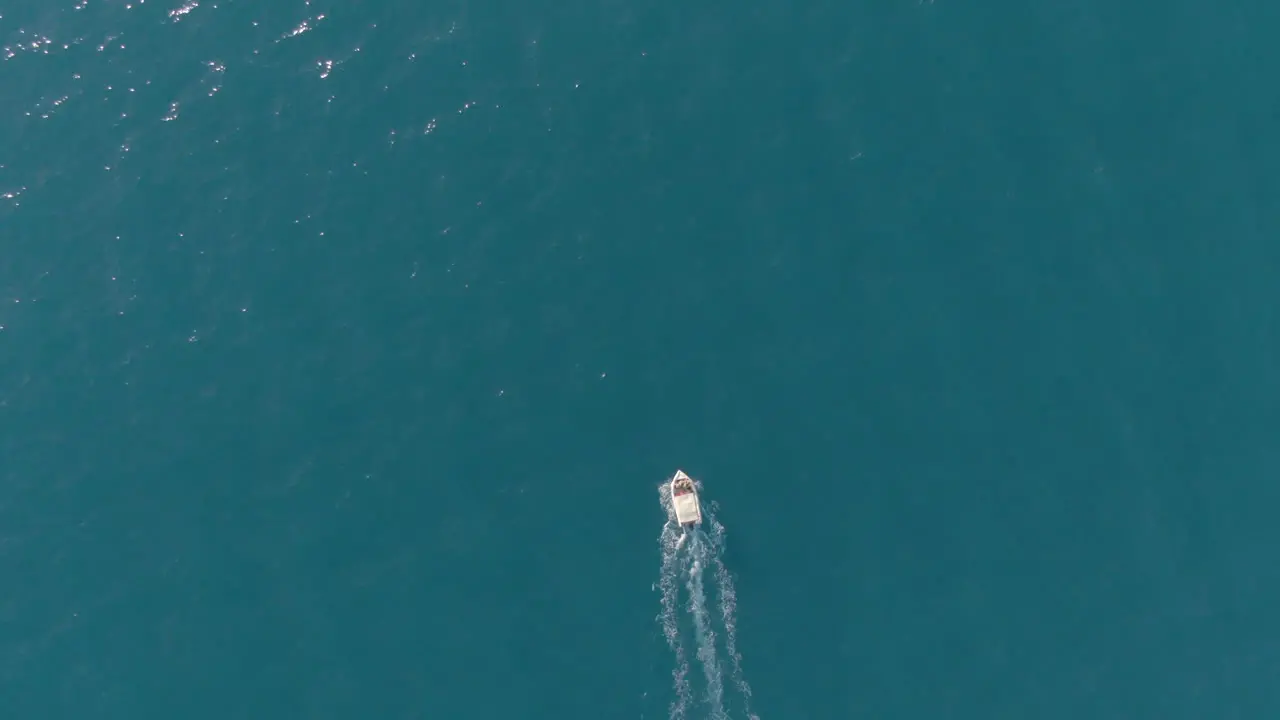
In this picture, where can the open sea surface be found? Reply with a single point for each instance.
(344, 344)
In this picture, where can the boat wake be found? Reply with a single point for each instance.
(692, 570)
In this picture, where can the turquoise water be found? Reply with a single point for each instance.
(344, 344)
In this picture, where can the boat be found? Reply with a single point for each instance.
(684, 500)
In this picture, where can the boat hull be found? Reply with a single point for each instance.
(684, 500)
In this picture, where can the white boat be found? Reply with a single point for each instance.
(684, 500)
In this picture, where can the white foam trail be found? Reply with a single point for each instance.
(668, 583)
(689, 562)
(729, 612)
(706, 636)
